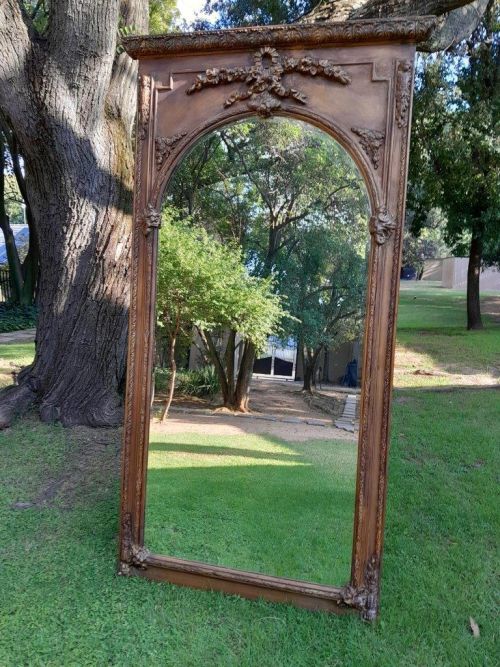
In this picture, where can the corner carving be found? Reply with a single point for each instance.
(151, 219)
(144, 106)
(364, 599)
(132, 554)
(371, 142)
(382, 224)
(164, 147)
(403, 92)
(265, 88)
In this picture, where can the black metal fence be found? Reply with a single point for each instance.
(5, 286)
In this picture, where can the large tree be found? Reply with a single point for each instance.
(455, 164)
(70, 101)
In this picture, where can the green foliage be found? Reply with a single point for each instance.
(14, 317)
(162, 16)
(231, 13)
(455, 160)
(202, 382)
(203, 282)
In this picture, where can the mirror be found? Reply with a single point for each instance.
(270, 162)
(260, 307)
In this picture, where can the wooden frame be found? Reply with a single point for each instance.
(354, 81)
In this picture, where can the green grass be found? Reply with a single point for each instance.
(61, 603)
(14, 356)
(432, 337)
(254, 503)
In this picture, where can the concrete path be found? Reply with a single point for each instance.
(348, 421)
(23, 336)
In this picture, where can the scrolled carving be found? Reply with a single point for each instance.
(164, 147)
(403, 92)
(382, 224)
(264, 87)
(371, 142)
(364, 599)
(151, 219)
(144, 106)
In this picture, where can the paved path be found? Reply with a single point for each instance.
(23, 336)
(348, 421)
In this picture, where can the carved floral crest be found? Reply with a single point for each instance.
(403, 92)
(382, 224)
(265, 89)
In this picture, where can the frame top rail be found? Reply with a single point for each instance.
(402, 30)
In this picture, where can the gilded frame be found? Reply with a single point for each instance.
(353, 80)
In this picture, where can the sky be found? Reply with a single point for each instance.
(188, 8)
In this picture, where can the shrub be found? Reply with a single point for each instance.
(202, 382)
(14, 317)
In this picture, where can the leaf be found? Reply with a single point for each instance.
(474, 627)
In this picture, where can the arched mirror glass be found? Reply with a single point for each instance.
(260, 309)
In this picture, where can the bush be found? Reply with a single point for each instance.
(14, 317)
(201, 383)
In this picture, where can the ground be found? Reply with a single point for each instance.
(61, 603)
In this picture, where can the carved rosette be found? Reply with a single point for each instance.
(151, 219)
(364, 599)
(371, 142)
(382, 224)
(403, 92)
(164, 147)
(265, 89)
(144, 106)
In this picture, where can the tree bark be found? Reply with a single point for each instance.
(242, 389)
(474, 320)
(310, 362)
(457, 19)
(71, 105)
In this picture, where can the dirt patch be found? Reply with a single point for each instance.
(91, 467)
(219, 424)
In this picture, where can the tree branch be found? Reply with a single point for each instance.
(459, 17)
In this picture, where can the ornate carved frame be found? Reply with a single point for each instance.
(354, 81)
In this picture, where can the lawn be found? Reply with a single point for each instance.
(253, 502)
(61, 603)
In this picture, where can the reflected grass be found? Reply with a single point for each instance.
(254, 503)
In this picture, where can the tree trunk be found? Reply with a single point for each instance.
(71, 106)
(173, 373)
(15, 271)
(242, 390)
(474, 320)
(310, 362)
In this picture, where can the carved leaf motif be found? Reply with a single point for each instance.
(403, 92)
(144, 106)
(164, 147)
(371, 142)
(382, 225)
(365, 599)
(265, 89)
(151, 219)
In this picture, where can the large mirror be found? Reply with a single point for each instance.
(260, 304)
(268, 212)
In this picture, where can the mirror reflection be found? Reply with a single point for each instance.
(261, 289)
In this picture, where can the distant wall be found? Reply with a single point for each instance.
(451, 272)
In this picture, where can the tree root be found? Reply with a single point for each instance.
(14, 401)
